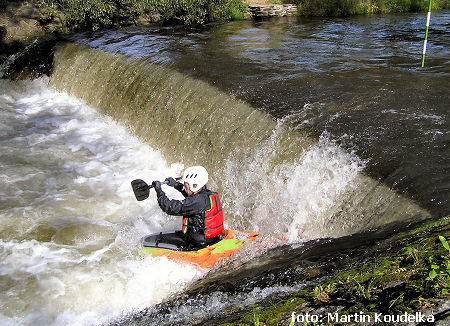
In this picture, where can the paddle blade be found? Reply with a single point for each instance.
(141, 189)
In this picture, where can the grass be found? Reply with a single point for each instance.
(337, 8)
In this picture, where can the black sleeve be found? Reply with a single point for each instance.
(180, 187)
(191, 205)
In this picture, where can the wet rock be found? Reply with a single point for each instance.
(29, 59)
(19, 20)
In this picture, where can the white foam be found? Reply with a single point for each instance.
(208, 306)
(70, 223)
(290, 199)
(317, 180)
(68, 285)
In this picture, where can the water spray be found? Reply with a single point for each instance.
(426, 33)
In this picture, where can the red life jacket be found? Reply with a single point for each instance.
(213, 218)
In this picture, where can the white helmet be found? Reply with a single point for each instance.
(196, 177)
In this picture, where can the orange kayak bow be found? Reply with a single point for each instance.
(232, 241)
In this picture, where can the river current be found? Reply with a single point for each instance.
(323, 127)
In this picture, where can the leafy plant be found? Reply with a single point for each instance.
(256, 319)
(439, 271)
(322, 293)
(199, 11)
(412, 253)
(365, 291)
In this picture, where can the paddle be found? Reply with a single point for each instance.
(142, 190)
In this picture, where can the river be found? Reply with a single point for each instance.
(310, 129)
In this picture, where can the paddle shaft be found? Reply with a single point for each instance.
(142, 190)
(164, 182)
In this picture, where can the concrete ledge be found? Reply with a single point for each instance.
(265, 11)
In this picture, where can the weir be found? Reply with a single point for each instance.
(272, 178)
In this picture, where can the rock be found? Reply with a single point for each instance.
(19, 21)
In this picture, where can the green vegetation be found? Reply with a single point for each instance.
(439, 272)
(337, 8)
(73, 15)
(407, 280)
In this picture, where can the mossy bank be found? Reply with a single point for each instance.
(404, 280)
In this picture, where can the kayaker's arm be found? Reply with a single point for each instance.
(177, 185)
(171, 207)
(190, 206)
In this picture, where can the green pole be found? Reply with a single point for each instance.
(426, 33)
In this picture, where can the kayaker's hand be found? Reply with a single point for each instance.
(171, 182)
(157, 186)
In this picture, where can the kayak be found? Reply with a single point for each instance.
(171, 245)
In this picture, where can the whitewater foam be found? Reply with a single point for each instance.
(70, 223)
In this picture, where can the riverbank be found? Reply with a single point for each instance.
(24, 20)
(324, 8)
(21, 22)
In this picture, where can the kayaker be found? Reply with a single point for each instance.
(201, 209)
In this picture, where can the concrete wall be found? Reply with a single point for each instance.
(263, 11)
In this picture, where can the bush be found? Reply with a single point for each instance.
(95, 14)
(91, 14)
(199, 11)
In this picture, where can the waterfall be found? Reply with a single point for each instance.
(273, 178)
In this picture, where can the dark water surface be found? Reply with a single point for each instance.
(357, 79)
